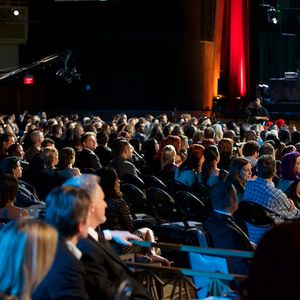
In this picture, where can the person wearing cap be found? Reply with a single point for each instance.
(26, 195)
(256, 112)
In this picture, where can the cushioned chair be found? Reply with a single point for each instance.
(255, 214)
(162, 205)
(174, 186)
(153, 181)
(189, 207)
(139, 206)
(135, 180)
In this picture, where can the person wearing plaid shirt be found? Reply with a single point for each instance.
(262, 191)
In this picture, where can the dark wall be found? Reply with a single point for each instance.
(130, 54)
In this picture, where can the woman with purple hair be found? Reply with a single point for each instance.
(289, 181)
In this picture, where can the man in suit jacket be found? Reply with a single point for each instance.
(86, 158)
(221, 228)
(68, 211)
(105, 270)
(122, 152)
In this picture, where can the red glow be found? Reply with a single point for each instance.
(28, 80)
(237, 72)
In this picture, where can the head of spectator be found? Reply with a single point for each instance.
(229, 134)
(89, 141)
(11, 165)
(50, 157)
(47, 142)
(224, 197)
(295, 137)
(250, 151)
(266, 167)
(28, 249)
(122, 148)
(16, 149)
(163, 119)
(275, 264)
(194, 159)
(287, 149)
(167, 129)
(218, 132)
(8, 189)
(90, 184)
(284, 136)
(102, 138)
(239, 171)
(68, 210)
(211, 160)
(6, 140)
(67, 158)
(280, 123)
(110, 183)
(250, 135)
(168, 155)
(225, 147)
(156, 132)
(290, 166)
(266, 148)
(198, 137)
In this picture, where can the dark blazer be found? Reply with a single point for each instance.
(26, 195)
(65, 279)
(87, 159)
(105, 271)
(123, 167)
(224, 233)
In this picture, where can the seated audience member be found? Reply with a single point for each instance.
(275, 266)
(105, 271)
(171, 140)
(250, 151)
(68, 210)
(86, 158)
(263, 192)
(210, 173)
(188, 171)
(168, 165)
(122, 153)
(66, 161)
(103, 151)
(118, 215)
(256, 112)
(8, 193)
(149, 150)
(239, 174)
(27, 250)
(26, 195)
(221, 228)
(225, 148)
(6, 140)
(16, 149)
(36, 138)
(289, 182)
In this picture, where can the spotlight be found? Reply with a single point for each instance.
(15, 12)
(273, 15)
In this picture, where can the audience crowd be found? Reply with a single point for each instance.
(74, 169)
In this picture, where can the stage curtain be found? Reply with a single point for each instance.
(278, 53)
(235, 48)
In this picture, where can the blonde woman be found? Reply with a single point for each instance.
(27, 251)
(50, 159)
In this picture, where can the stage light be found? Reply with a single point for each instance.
(16, 12)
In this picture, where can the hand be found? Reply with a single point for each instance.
(123, 237)
(292, 207)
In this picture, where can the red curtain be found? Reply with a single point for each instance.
(235, 67)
